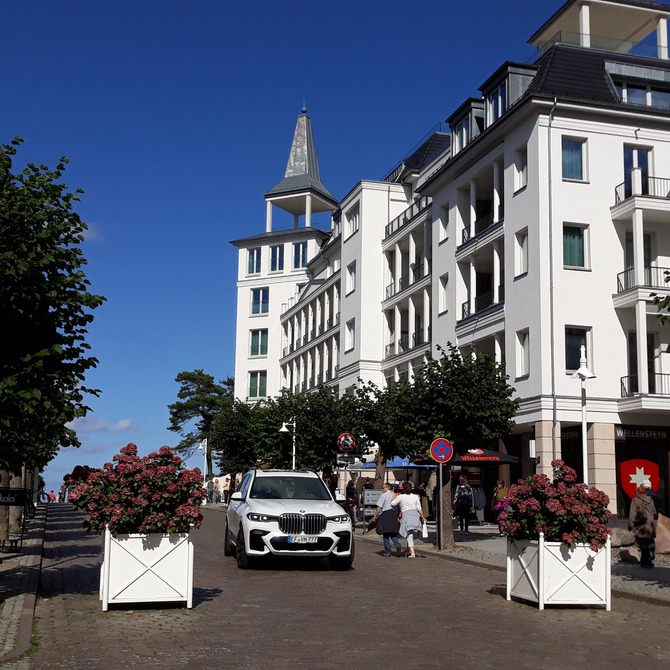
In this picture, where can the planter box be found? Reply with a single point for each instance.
(552, 573)
(146, 569)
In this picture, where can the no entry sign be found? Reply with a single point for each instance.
(441, 450)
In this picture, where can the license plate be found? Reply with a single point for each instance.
(302, 539)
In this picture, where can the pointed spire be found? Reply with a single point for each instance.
(302, 169)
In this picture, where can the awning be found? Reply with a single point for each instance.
(482, 457)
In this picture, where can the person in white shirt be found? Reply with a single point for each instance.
(412, 516)
(386, 518)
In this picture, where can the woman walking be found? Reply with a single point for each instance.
(412, 515)
(386, 519)
(463, 504)
(498, 500)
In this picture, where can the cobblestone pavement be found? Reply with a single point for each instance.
(391, 612)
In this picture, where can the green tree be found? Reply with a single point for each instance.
(45, 305)
(200, 399)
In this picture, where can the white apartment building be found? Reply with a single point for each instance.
(538, 225)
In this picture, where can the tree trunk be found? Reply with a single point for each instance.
(380, 471)
(447, 537)
(15, 513)
(4, 510)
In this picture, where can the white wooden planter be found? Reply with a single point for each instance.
(552, 573)
(146, 569)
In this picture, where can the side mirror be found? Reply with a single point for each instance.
(237, 496)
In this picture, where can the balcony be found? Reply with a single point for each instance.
(483, 301)
(412, 277)
(654, 277)
(659, 384)
(650, 187)
(482, 224)
(417, 340)
(410, 213)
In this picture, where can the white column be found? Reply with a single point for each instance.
(585, 25)
(397, 329)
(638, 247)
(411, 320)
(641, 327)
(426, 315)
(473, 208)
(496, 192)
(268, 216)
(473, 284)
(412, 257)
(662, 38)
(496, 272)
(427, 243)
(308, 211)
(497, 348)
(397, 268)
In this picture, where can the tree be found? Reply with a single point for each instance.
(200, 399)
(45, 309)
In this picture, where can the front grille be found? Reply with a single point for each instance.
(294, 524)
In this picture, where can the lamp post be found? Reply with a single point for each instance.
(284, 429)
(583, 373)
(203, 446)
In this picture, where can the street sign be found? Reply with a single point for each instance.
(346, 442)
(441, 450)
(345, 459)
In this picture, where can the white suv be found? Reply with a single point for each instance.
(287, 513)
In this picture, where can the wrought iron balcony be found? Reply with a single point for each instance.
(412, 211)
(483, 223)
(654, 277)
(651, 187)
(483, 301)
(659, 384)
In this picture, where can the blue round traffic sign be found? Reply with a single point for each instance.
(441, 450)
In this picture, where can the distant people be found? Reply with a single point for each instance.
(226, 490)
(462, 502)
(658, 501)
(351, 495)
(210, 490)
(498, 500)
(368, 484)
(386, 518)
(642, 521)
(412, 516)
(52, 496)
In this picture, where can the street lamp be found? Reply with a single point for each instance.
(284, 429)
(583, 373)
(203, 446)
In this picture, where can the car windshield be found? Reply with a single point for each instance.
(289, 488)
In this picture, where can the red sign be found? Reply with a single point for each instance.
(346, 442)
(441, 450)
(633, 472)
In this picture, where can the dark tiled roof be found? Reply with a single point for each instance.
(428, 151)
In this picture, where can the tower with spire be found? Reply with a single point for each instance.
(272, 266)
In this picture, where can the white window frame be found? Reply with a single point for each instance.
(350, 334)
(254, 261)
(259, 353)
(255, 377)
(586, 245)
(277, 258)
(300, 255)
(588, 343)
(352, 218)
(521, 169)
(496, 104)
(443, 302)
(523, 353)
(260, 301)
(443, 230)
(584, 155)
(521, 253)
(351, 278)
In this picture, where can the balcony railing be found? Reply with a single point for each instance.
(602, 43)
(659, 384)
(650, 187)
(412, 277)
(413, 210)
(654, 277)
(483, 223)
(483, 301)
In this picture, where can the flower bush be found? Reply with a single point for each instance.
(153, 494)
(563, 509)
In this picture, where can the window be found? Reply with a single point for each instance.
(258, 384)
(277, 258)
(575, 337)
(521, 253)
(496, 104)
(444, 223)
(522, 353)
(299, 255)
(573, 155)
(259, 300)
(259, 343)
(521, 169)
(254, 262)
(443, 299)
(350, 334)
(351, 277)
(575, 246)
(352, 221)
(636, 157)
(461, 135)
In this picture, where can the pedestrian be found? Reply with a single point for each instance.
(52, 496)
(412, 516)
(498, 500)
(463, 504)
(658, 501)
(386, 519)
(642, 521)
(226, 490)
(351, 495)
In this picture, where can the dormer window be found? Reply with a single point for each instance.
(496, 104)
(462, 134)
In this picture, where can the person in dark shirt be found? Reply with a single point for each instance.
(658, 501)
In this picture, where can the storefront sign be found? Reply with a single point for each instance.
(634, 471)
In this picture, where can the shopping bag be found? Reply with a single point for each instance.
(424, 530)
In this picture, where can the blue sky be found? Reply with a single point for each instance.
(178, 115)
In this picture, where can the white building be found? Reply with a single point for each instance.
(545, 226)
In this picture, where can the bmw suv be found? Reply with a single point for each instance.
(287, 513)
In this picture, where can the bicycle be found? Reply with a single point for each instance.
(30, 507)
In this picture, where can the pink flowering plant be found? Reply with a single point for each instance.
(563, 509)
(153, 494)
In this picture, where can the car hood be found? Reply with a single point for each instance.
(277, 507)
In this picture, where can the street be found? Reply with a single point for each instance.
(386, 612)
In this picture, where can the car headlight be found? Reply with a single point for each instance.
(342, 518)
(256, 516)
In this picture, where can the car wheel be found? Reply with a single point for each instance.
(227, 547)
(342, 562)
(243, 561)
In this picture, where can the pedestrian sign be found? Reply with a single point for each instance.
(441, 450)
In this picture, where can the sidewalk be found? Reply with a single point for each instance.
(484, 546)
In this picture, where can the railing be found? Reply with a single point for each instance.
(651, 187)
(654, 277)
(413, 210)
(659, 384)
(483, 223)
(418, 339)
(602, 43)
(483, 301)
(412, 277)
